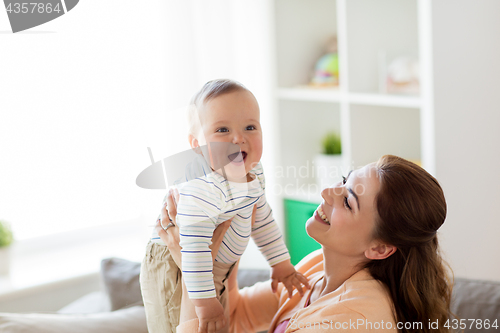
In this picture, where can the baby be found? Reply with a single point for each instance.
(224, 115)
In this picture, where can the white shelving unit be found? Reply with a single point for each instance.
(451, 127)
(393, 124)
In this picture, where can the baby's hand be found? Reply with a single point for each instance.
(210, 315)
(285, 273)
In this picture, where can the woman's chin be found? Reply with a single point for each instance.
(312, 227)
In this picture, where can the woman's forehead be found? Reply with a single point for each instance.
(367, 171)
(366, 183)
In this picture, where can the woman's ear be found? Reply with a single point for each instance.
(195, 145)
(379, 251)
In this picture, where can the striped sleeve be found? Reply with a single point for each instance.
(200, 204)
(267, 235)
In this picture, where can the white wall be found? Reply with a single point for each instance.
(467, 117)
(83, 96)
(81, 99)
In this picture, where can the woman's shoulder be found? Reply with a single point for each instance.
(312, 262)
(360, 304)
(363, 294)
(363, 284)
(360, 300)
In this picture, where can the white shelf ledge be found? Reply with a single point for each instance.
(385, 100)
(310, 94)
(334, 95)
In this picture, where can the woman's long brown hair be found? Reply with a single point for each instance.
(411, 208)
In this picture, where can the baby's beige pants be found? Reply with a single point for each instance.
(162, 289)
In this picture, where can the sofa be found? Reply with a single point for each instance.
(118, 308)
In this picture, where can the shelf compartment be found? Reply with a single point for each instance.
(303, 31)
(390, 130)
(377, 30)
(303, 125)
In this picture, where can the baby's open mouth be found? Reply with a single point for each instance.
(237, 157)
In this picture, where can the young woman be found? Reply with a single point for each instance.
(379, 268)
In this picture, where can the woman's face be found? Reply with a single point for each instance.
(345, 220)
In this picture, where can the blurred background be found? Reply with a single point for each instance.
(339, 83)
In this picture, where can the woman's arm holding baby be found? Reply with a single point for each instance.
(209, 311)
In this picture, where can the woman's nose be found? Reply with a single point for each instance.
(330, 193)
(327, 196)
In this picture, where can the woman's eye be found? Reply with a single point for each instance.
(251, 127)
(346, 203)
(344, 180)
(222, 130)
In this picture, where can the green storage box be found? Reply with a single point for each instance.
(298, 242)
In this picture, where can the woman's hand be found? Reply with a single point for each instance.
(170, 236)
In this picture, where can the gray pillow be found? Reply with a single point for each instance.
(121, 282)
(476, 299)
(249, 277)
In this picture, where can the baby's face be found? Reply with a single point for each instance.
(235, 118)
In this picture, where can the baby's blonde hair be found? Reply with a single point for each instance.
(209, 91)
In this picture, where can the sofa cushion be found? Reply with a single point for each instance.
(94, 302)
(476, 299)
(130, 320)
(121, 281)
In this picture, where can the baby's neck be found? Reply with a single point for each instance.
(247, 179)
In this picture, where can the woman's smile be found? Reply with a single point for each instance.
(320, 216)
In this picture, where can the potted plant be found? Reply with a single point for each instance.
(6, 239)
(329, 164)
